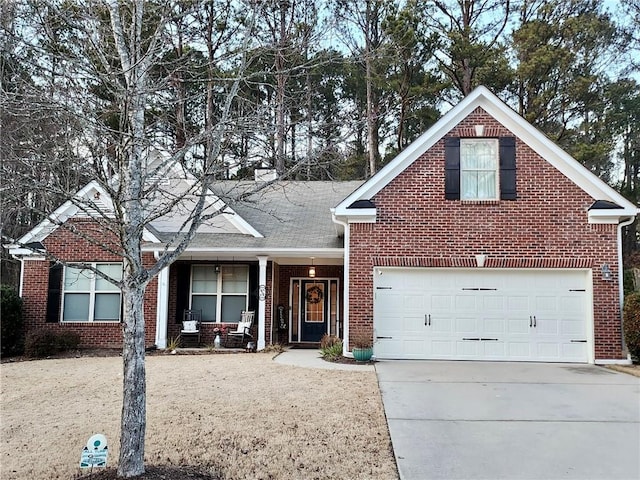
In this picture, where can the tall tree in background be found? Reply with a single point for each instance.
(411, 74)
(563, 49)
(471, 51)
(361, 28)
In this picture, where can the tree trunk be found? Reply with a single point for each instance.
(372, 132)
(133, 421)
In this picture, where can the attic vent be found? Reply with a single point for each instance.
(604, 205)
(362, 204)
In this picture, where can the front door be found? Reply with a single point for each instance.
(314, 309)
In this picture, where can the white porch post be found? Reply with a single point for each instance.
(162, 308)
(262, 296)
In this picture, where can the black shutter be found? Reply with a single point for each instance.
(507, 168)
(452, 168)
(183, 282)
(254, 288)
(54, 294)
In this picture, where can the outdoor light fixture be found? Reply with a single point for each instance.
(606, 272)
(312, 270)
(216, 268)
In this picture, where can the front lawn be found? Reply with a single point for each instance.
(240, 416)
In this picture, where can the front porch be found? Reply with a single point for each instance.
(291, 306)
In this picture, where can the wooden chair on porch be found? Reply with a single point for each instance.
(191, 324)
(242, 333)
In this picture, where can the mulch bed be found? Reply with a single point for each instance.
(348, 361)
(154, 472)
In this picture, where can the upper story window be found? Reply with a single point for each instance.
(87, 297)
(222, 295)
(479, 169)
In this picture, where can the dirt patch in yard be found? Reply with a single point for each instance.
(237, 416)
(630, 369)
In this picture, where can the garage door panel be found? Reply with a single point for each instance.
(519, 350)
(522, 315)
(493, 326)
(492, 303)
(441, 325)
(518, 326)
(468, 325)
(573, 328)
(518, 303)
(441, 302)
(466, 303)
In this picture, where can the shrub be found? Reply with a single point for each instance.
(331, 347)
(361, 340)
(12, 325)
(631, 314)
(42, 343)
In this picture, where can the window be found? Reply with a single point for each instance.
(479, 169)
(221, 295)
(89, 297)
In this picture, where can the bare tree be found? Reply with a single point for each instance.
(113, 47)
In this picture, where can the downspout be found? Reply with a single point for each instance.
(621, 225)
(162, 300)
(345, 301)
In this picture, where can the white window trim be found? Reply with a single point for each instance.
(219, 294)
(92, 296)
(496, 170)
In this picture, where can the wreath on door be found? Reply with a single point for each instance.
(314, 294)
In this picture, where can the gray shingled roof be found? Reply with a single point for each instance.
(289, 215)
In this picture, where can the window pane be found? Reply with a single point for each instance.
(77, 279)
(107, 307)
(234, 279)
(486, 185)
(113, 270)
(76, 307)
(478, 155)
(205, 279)
(206, 303)
(232, 307)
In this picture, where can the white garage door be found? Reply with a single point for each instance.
(482, 314)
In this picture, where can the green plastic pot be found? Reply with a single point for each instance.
(362, 354)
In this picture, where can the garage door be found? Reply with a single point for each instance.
(482, 314)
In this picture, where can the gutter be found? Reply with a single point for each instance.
(345, 301)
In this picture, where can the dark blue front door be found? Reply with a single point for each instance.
(315, 308)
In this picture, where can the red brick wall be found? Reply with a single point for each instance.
(545, 227)
(69, 246)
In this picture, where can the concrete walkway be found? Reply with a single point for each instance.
(310, 358)
(516, 421)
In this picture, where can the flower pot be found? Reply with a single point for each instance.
(362, 354)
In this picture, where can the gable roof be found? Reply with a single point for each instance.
(290, 215)
(534, 138)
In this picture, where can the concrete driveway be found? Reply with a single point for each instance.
(483, 420)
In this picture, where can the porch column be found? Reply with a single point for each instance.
(262, 297)
(162, 308)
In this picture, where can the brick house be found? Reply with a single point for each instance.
(482, 240)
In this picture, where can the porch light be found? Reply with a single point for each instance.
(606, 272)
(216, 268)
(312, 270)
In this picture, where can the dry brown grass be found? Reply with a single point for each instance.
(241, 415)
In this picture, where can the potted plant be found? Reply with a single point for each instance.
(362, 347)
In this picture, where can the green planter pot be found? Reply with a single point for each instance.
(362, 354)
